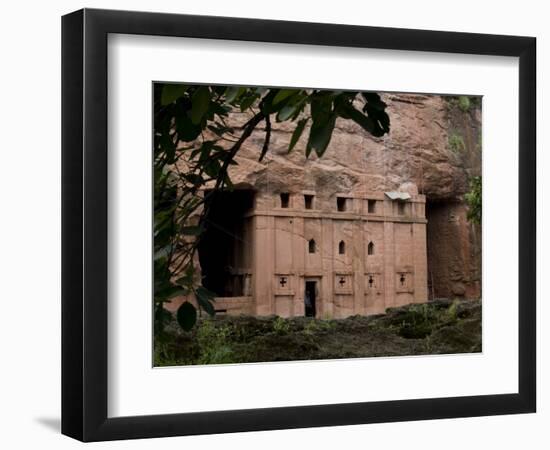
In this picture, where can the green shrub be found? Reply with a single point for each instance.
(213, 343)
(452, 313)
(456, 142)
(473, 199)
(281, 326)
(316, 325)
(464, 103)
(417, 322)
(163, 356)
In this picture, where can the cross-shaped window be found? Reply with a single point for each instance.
(342, 281)
(282, 281)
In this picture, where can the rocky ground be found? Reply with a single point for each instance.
(438, 327)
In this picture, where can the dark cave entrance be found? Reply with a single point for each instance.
(225, 249)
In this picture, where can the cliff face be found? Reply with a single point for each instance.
(432, 143)
(434, 146)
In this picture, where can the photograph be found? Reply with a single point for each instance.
(274, 225)
(314, 224)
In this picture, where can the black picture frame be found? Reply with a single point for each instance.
(84, 224)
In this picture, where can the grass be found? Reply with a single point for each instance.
(437, 327)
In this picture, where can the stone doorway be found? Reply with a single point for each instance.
(310, 298)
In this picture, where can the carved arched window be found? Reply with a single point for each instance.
(370, 248)
(312, 246)
(342, 248)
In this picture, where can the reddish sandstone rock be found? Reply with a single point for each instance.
(433, 147)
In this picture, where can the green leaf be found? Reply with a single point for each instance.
(232, 93)
(205, 149)
(185, 281)
(205, 299)
(187, 131)
(379, 117)
(212, 168)
(321, 108)
(265, 147)
(201, 101)
(186, 316)
(194, 179)
(162, 316)
(169, 147)
(284, 94)
(177, 292)
(297, 134)
(374, 99)
(171, 92)
(360, 119)
(247, 102)
(320, 134)
(163, 252)
(191, 231)
(260, 90)
(292, 108)
(228, 183)
(286, 112)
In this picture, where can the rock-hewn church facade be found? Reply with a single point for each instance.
(296, 254)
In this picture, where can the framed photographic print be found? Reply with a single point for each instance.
(273, 224)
